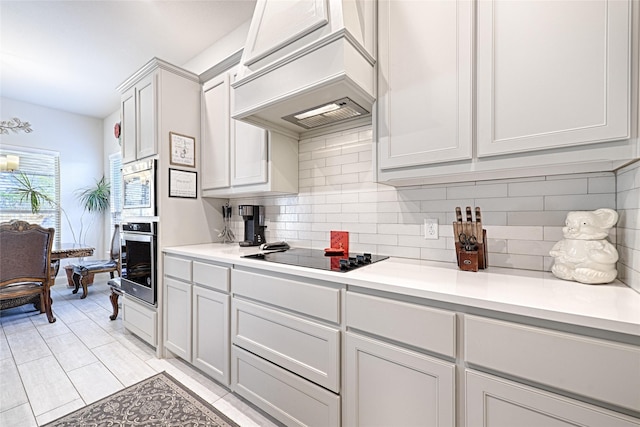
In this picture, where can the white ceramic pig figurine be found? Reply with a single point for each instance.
(584, 255)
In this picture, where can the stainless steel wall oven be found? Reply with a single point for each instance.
(138, 189)
(139, 255)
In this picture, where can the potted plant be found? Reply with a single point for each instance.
(93, 199)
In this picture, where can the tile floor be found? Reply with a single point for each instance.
(48, 370)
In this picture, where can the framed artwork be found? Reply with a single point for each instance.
(183, 150)
(183, 184)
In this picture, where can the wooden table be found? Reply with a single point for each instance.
(68, 250)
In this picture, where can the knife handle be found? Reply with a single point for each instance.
(458, 214)
(469, 218)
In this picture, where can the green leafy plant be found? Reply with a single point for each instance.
(29, 192)
(93, 199)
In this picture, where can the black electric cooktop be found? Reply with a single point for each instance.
(315, 258)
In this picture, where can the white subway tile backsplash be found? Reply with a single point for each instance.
(580, 202)
(546, 188)
(477, 191)
(523, 216)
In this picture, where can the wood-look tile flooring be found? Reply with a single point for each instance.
(48, 370)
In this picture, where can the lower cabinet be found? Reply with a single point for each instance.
(387, 385)
(197, 315)
(140, 319)
(286, 350)
(496, 402)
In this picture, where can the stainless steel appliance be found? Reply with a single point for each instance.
(253, 217)
(138, 189)
(315, 258)
(139, 254)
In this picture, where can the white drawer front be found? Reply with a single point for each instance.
(179, 268)
(602, 370)
(285, 396)
(211, 276)
(140, 320)
(416, 325)
(314, 300)
(301, 346)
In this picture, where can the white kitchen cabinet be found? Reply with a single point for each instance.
(286, 346)
(566, 85)
(495, 402)
(140, 319)
(389, 385)
(197, 314)
(240, 159)
(215, 163)
(210, 345)
(147, 95)
(552, 89)
(386, 370)
(424, 82)
(178, 317)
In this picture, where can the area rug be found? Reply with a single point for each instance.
(157, 401)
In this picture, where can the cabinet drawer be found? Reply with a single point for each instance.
(423, 327)
(140, 320)
(285, 396)
(179, 268)
(602, 370)
(314, 300)
(211, 276)
(298, 345)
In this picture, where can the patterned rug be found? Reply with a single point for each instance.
(157, 401)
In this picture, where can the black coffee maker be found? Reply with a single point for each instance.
(253, 217)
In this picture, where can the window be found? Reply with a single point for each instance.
(115, 170)
(42, 169)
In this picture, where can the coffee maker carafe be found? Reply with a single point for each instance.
(253, 217)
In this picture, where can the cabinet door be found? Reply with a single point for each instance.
(177, 325)
(424, 82)
(211, 333)
(552, 74)
(146, 107)
(380, 376)
(128, 136)
(215, 163)
(494, 402)
(249, 153)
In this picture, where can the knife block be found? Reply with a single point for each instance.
(473, 260)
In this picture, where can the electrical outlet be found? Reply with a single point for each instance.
(431, 228)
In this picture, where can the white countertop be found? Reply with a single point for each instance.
(612, 307)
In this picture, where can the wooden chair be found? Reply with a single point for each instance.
(25, 266)
(112, 265)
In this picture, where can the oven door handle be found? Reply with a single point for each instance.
(137, 237)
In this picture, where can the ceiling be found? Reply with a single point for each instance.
(71, 55)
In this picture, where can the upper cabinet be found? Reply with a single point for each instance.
(424, 82)
(240, 159)
(551, 92)
(154, 91)
(552, 74)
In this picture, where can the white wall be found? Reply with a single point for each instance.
(628, 230)
(79, 141)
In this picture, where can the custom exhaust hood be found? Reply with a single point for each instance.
(307, 65)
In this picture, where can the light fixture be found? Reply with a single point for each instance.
(10, 163)
(327, 114)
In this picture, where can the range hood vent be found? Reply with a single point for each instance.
(327, 114)
(307, 64)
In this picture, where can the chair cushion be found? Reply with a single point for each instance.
(94, 266)
(18, 289)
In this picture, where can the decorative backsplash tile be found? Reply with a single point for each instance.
(523, 217)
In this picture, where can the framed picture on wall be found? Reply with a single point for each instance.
(183, 184)
(183, 150)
